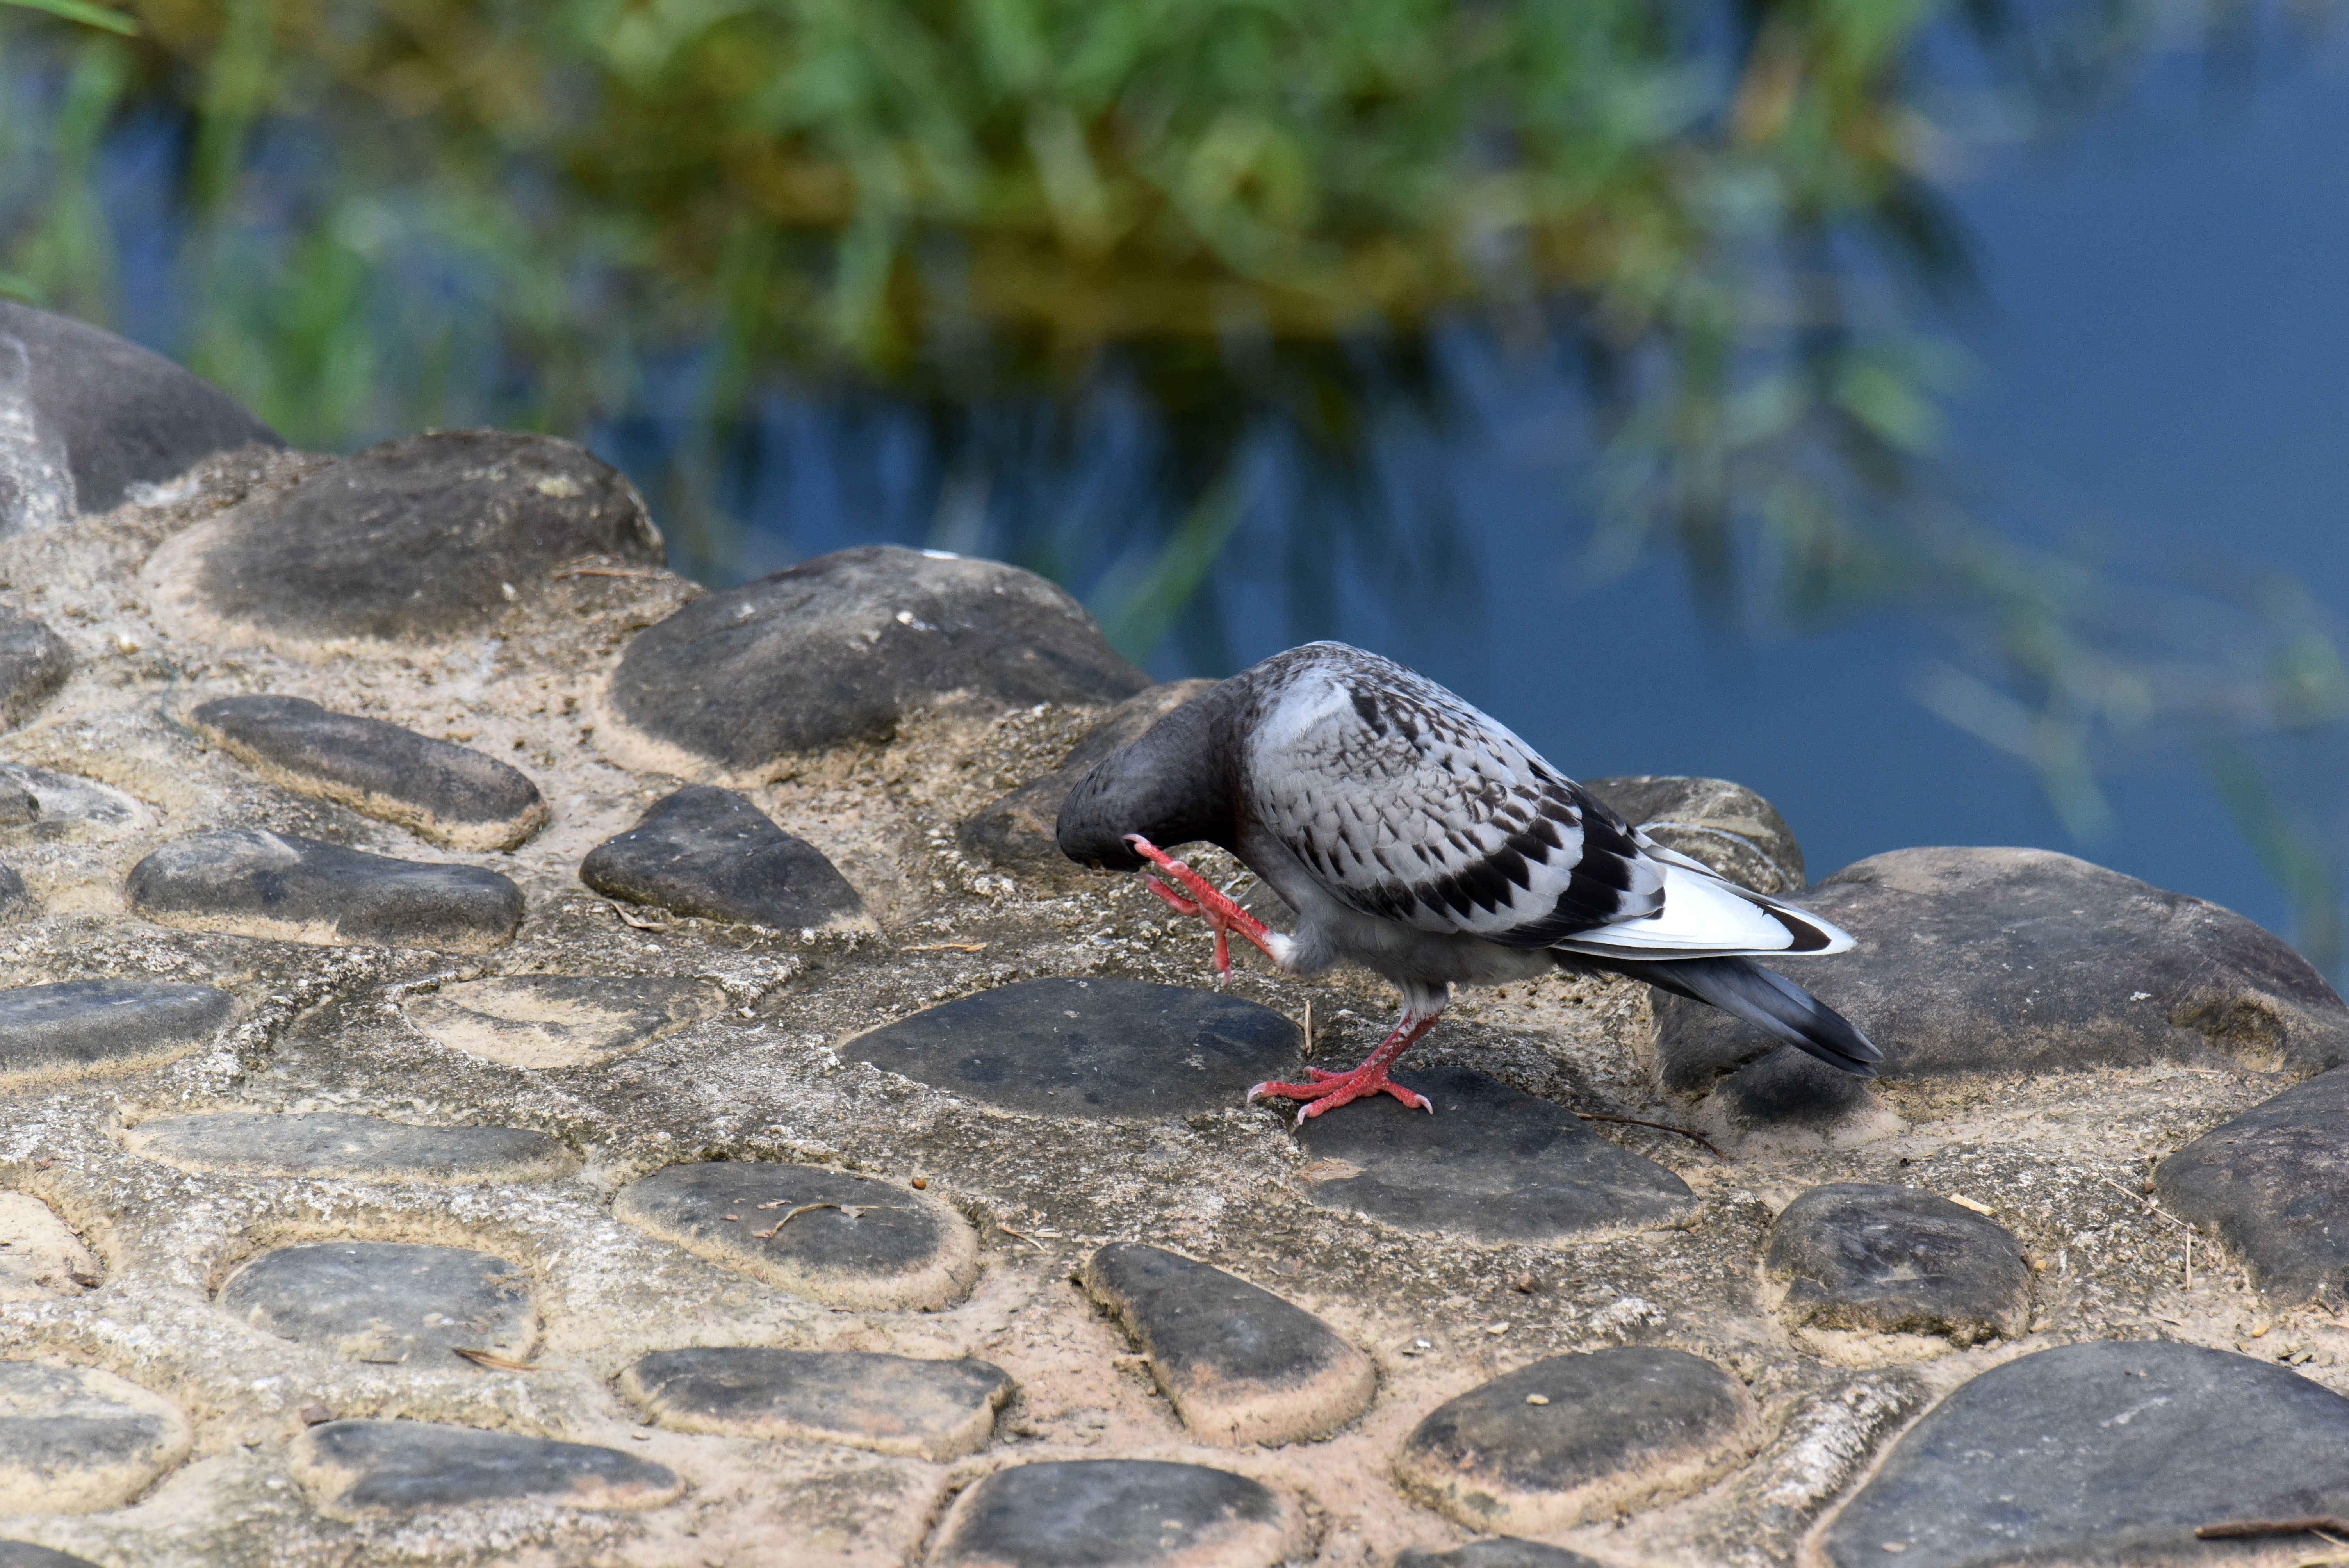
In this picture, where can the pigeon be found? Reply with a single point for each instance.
(1421, 838)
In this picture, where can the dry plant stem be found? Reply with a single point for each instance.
(2154, 1208)
(1695, 1138)
(492, 1360)
(2240, 1527)
(787, 1219)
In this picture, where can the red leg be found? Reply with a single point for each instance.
(1330, 1089)
(1222, 916)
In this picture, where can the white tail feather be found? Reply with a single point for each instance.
(1704, 917)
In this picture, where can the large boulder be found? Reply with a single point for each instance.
(840, 648)
(425, 538)
(2025, 961)
(86, 416)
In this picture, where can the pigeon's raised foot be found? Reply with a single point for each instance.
(1222, 916)
(1327, 1090)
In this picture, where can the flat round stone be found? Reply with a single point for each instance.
(1240, 1365)
(73, 1440)
(1501, 1552)
(25, 1554)
(55, 807)
(2005, 961)
(323, 1144)
(1017, 829)
(34, 664)
(293, 889)
(815, 1230)
(355, 1469)
(1100, 1046)
(424, 538)
(1722, 825)
(1493, 1163)
(1895, 1260)
(99, 1026)
(386, 1301)
(95, 418)
(708, 852)
(1133, 1513)
(2108, 1454)
(558, 1020)
(1790, 1098)
(1617, 1428)
(449, 794)
(858, 639)
(935, 1410)
(2274, 1182)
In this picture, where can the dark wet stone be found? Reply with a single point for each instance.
(1133, 1513)
(1726, 826)
(34, 661)
(76, 1026)
(52, 808)
(709, 853)
(16, 900)
(2274, 1182)
(1493, 1163)
(817, 1231)
(1610, 1429)
(558, 1020)
(1100, 1046)
(1017, 830)
(1791, 1097)
(294, 888)
(25, 1554)
(2102, 1454)
(427, 537)
(1240, 1365)
(449, 794)
(936, 1410)
(326, 1144)
(2021, 961)
(386, 1301)
(1895, 1260)
(85, 418)
(841, 647)
(354, 1469)
(1501, 1552)
(73, 1440)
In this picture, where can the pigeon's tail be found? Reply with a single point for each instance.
(1763, 997)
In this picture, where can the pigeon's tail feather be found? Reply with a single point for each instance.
(1767, 1000)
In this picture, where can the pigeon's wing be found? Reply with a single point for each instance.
(1410, 805)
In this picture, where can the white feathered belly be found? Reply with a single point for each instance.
(1329, 933)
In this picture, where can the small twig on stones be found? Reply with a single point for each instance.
(629, 917)
(492, 1360)
(2154, 1208)
(636, 572)
(1022, 1235)
(1661, 1126)
(795, 1213)
(946, 947)
(1309, 1028)
(2238, 1527)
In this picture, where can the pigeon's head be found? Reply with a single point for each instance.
(1171, 786)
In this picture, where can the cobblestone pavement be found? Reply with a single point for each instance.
(507, 1057)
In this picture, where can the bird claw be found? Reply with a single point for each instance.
(1223, 916)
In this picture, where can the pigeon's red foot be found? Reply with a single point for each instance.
(1329, 1090)
(1222, 916)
